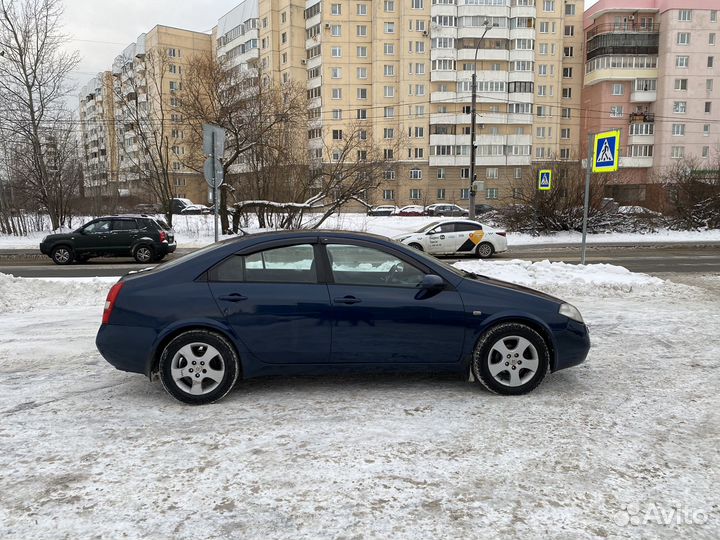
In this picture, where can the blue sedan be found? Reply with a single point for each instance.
(316, 302)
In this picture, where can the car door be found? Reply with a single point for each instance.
(468, 236)
(93, 237)
(381, 316)
(123, 234)
(274, 303)
(438, 239)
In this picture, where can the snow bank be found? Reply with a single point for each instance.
(19, 295)
(567, 279)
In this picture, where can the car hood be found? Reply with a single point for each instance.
(402, 237)
(58, 236)
(484, 281)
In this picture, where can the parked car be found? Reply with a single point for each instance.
(638, 211)
(186, 206)
(383, 210)
(148, 208)
(143, 237)
(456, 237)
(445, 210)
(196, 209)
(481, 209)
(309, 302)
(411, 210)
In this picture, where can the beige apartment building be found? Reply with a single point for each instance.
(98, 139)
(400, 71)
(652, 71)
(141, 94)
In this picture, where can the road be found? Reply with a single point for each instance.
(650, 259)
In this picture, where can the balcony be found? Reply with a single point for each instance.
(636, 162)
(611, 39)
(641, 117)
(645, 96)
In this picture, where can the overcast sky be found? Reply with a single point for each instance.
(102, 29)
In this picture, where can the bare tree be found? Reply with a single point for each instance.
(33, 85)
(693, 192)
(254, 112)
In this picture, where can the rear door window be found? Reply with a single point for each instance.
(124, 225)
(289, 264)
(459, 227)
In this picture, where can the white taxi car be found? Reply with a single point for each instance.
(456, 237)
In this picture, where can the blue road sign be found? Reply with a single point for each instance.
(606, 152)
(545, 179)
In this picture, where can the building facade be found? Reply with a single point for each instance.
(651, 71)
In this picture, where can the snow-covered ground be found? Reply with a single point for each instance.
(623, 446)
(197, 231)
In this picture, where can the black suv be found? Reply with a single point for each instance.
(145, 238)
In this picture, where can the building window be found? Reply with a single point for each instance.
(491, 193)
(565, 133)
(618, 89)
(708, 107)
(337, 134)
(388, 153)
(388, 194)
(569, 30)
(336, 52)
(389, 27)
(336, 9)
(362, 73)
(337, 114)
(682, 61)
(567, 72)
(685, 15)
(564, 153)
(362, 52)
(336, 73)
(389, 91)
(337, 93)
(680, 107)
(415, 174)
(418, 4)
(389, 5)
(678, 130)
(681, 84)
(568, 52)
(711, 38)
(441, 194)
(389, 49)
(415, 193)
(683, 38)
(544, 27)
(389, 70)
(616, 111)
(706, 130)
(362, 9)
(389, 175)
(567, 93)
(389, 112)
(465, 194)
(465, 173)
(361, 30)
(713, 15)
(335, 30)
(361, 114)
(677, 152)
(362, 93)
(567, 112)
(491, 173)
(548, 5)
(569, 9)
(705, 151)
(710, 61)
(389, 133)
(441, 173)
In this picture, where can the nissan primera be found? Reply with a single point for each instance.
(310, 302)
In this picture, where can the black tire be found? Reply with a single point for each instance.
(144, 254)
(484, 250)
(173, 360)
(486, 357)
(417, 246)
(62, 255)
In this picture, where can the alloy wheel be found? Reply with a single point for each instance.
(513, 361)
(197, 368)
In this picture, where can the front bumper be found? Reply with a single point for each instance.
(127, 348)
(45, 248)
(573, 344)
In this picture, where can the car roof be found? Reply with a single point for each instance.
(129, 216)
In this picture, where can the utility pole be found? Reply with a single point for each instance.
(473, 115)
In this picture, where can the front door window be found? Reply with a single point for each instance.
(359, 265)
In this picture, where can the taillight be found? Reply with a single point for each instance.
(163, 236)
(500, 233)
(110, 301)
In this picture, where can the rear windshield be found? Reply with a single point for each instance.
(163, 224)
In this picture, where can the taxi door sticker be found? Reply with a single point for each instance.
(474, 238)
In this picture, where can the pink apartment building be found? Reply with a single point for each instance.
(652, 70)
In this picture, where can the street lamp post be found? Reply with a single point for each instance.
(473, 115)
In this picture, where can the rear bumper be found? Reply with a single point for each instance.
(164, 249)
(127, 348)
(573, 344)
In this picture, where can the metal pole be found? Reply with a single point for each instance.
(588, 174)
(215, 186)
(471, 210)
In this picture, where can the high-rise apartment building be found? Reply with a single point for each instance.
(235, 38)
(400, 72)
(98, 140)
(651, 71)
(138, 105)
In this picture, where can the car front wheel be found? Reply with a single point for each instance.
(199, 367)
(511, 359)
(62, 255)
(417, 246)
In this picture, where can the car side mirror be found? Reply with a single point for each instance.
(430, 233)
(431, 282)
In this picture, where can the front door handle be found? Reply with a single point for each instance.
(347, 300)
(234, 297)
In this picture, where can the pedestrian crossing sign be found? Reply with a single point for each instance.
(545, 179)
(606, 151)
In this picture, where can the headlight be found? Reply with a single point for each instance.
(571, 312)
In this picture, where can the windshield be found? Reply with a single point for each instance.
(428, 227)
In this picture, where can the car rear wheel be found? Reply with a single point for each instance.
(62, 255)
(199, 367)
(484, 250)
(144, 254)
(417, 246)
(510, 359)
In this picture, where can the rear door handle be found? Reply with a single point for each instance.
(234, 297)
(347, 300)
